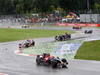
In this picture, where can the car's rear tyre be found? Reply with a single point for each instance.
(38, 61)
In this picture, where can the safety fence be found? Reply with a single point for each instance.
(71, 16)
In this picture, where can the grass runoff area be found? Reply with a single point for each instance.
(7, 35)
(89, 51)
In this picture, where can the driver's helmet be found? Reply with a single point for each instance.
(44, 54)
(66, 33)
(41, 56)
(48, 54)
(28, 40)
(58, 57)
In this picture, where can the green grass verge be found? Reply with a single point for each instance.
(98, 27)
(89, 51)
(22, 34)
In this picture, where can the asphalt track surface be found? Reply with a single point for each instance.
(14, 64)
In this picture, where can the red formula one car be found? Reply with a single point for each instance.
(27, 44)
(77, 27)
(54, 62)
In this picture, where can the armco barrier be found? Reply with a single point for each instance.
(78, 24)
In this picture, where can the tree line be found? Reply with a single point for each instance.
(34, 6)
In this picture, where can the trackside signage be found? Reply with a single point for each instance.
(78, 24)
(68, 49)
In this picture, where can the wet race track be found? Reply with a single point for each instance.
(14, 64)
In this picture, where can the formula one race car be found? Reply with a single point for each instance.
(63, 37)
(46, 59)
(77, 27)
(88, 31)
(25, 26)
(27, 44)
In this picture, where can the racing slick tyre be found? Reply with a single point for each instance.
(56, 64)
(85, 31)
(61, 38)
(38, 60)
(33, 43)
(25, 26)
(73, 27)
(69, 36)
(59, 65)
(20, 46)
(56, 38)
(90, 31)
(65, 63)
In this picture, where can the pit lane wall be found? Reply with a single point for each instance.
(78, 24)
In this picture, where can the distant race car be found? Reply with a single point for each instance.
(25, 26)
(27, 44)
(77, 27)
(88, 31)
(54, 62)
(63, 37)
